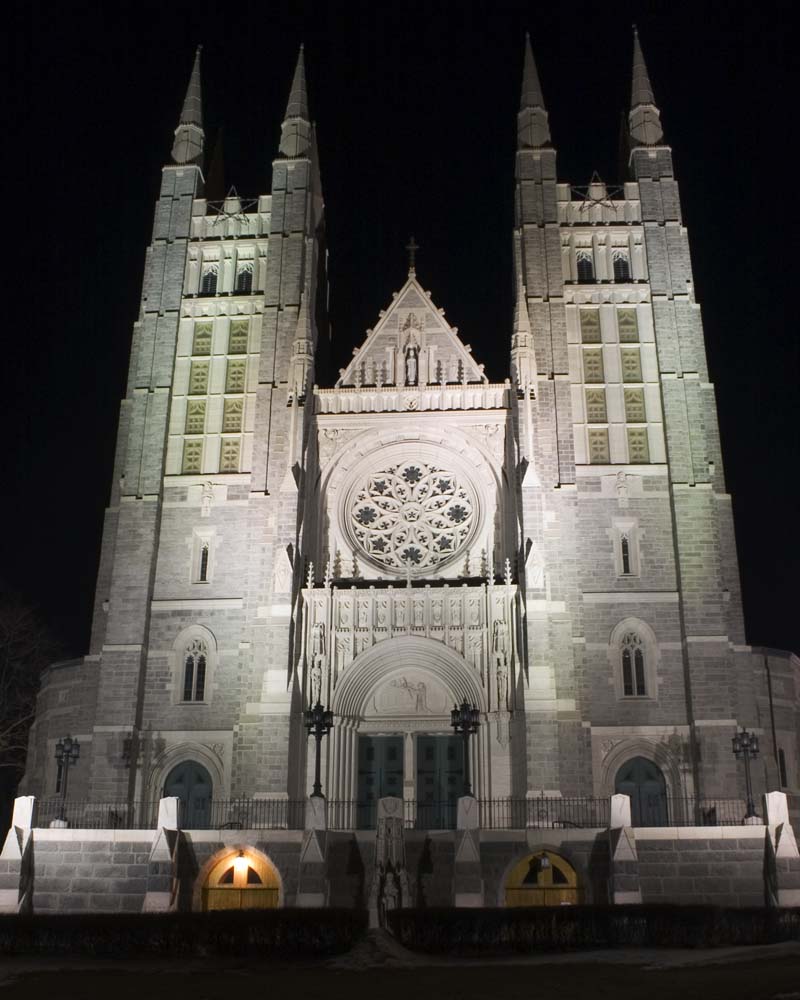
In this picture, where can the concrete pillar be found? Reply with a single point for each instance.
(782, 858)
(312, 884)
(623, 881)
(16, 859)
(468, 888)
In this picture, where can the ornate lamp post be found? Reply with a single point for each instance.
(319, 722)
(745, 745)
(67, 753)
(465, 720)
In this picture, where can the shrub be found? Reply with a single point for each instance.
(284, 933)
(531, 929)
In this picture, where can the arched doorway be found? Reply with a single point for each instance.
(643, 782)
(241, 881)
(191, 783)
(543, 879)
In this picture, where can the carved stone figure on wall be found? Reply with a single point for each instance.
(318, 640)
(206, 499)
(535, 566)
(317, 657)
(417, 693)
(622, 489)
(500, 650)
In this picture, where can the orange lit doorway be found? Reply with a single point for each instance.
(543, 879)
(241, 881)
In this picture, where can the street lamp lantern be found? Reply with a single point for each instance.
(319, 722)
(745, 747)
(465, 719)
(68, 751)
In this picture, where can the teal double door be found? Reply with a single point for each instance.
(439, 779)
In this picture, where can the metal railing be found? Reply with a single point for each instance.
(673, 810)
(83, 815)
(540, 812)
(246, 814)
(543, 812)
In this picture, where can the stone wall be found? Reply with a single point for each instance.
(724, 867)
(90, 871)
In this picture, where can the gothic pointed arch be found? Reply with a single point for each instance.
(194, 661)
(634, 656)
(394, 659)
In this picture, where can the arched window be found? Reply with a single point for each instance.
(622, 265)
(584, 260)
(203, 574)
(626, 554)
(633, 675)
(782, 769)
(244, 277)
(208, 283)
(194, 670)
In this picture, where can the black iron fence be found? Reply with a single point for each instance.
(246, 814)
(539, 812)
(83, 815)
(543, 812)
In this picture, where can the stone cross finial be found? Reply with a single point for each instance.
(412, 246)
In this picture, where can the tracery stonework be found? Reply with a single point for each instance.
(412, 516)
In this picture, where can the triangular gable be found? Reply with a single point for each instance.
(412, 344)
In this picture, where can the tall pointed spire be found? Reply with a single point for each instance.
(189, 135)
(644, 119)
(296, 125)
(533, 129)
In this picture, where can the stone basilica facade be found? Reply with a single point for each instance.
(556, 549)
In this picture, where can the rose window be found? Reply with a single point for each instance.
(412, 516)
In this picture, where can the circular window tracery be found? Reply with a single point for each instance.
(412, 515)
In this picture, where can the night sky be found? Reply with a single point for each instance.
(416, 111)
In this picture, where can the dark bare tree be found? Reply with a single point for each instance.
(26, 648)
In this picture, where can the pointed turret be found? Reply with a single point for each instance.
(296, 125)
(189, 135)
(523, 357)
(302, 362)
(644, 119)
(533, 129)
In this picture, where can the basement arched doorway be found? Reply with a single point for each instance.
(242, 880)
(543, 879)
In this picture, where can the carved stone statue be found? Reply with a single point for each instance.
(411, 366)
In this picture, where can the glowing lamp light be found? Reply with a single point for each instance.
(240, 866)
